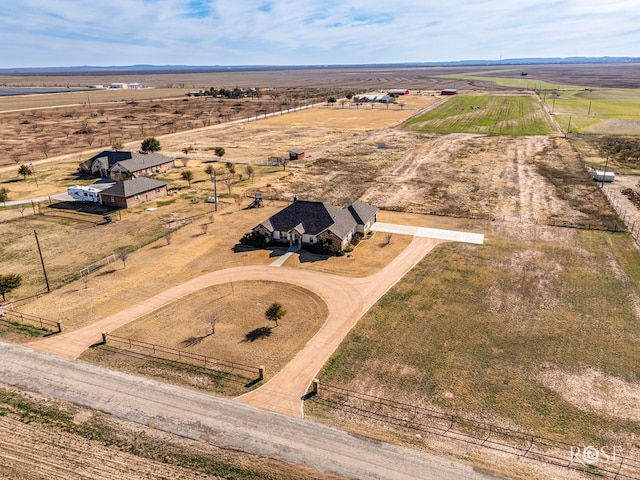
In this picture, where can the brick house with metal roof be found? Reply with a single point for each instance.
(133, 192)
(305, 222)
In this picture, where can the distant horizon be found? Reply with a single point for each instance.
(212, 68)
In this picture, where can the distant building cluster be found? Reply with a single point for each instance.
(119, 86)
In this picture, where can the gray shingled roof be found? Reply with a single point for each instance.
(140, 161)
(314, 218)
(110, 157)
(362, 212)
(132, 187)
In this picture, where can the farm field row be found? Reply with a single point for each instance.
(578, 108)
(485, 114)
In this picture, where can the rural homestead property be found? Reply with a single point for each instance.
(306, 222)
(133, 192)
(127, 164)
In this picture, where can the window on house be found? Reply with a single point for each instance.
(137, 197)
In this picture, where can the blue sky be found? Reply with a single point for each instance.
(44, 33)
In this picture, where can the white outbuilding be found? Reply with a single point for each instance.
(602, 176)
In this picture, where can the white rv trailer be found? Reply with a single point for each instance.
(85, 194)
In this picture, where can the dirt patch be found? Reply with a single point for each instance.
(595, 391)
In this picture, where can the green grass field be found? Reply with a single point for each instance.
(497, 115)
(608, 111)
(470, 329)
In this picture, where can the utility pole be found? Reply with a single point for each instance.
(215, 190)
(604, 174)
(568, 127)
(44, 270)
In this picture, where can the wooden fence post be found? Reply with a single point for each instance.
(59, 326)
(104, 337)
(315, 386)
(261, 372)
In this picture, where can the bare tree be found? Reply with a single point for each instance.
(229, 179)
(45, 147)
(204, 227)
(21, 207)
(250, 171)
(238, 199)
(212, 319)
(167, 238)
(185, 161)
(123, 254)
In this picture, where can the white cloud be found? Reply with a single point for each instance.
(231, 32)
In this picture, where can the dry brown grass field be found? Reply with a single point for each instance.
(510, 332)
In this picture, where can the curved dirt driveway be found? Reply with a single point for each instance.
(347, 301)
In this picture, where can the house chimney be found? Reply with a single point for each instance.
(295, 198)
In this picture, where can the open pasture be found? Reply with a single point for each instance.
(495, 115)
(597, 111)
(490, 332)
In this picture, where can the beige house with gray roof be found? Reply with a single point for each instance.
(305, 222)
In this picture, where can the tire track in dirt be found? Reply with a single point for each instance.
(404, 183)
(534, 190)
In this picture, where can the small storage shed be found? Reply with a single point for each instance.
(602, 176)
(296, 154)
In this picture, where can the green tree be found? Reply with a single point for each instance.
(8, 283)
(209, 170)
(150, 144)
(331, 100)
(187, 175)
(231, 167)
(275, 312)
(4, 194)
(24, 171)
(219, 151)
(349, 95)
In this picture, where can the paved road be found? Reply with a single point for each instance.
(223, 422)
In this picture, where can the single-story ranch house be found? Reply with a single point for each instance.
(133, 192)
(129, 164)
(318, 222)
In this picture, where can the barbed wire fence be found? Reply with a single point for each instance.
(485, 435)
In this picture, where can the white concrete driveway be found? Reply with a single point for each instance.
(435, 233)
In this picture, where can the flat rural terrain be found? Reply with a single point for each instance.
(535, 331)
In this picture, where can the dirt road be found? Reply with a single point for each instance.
(220, 422)
(347, 300)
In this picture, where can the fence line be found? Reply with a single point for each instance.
(481, 434)
(162, 352)
(31, 319)
(100, 263)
